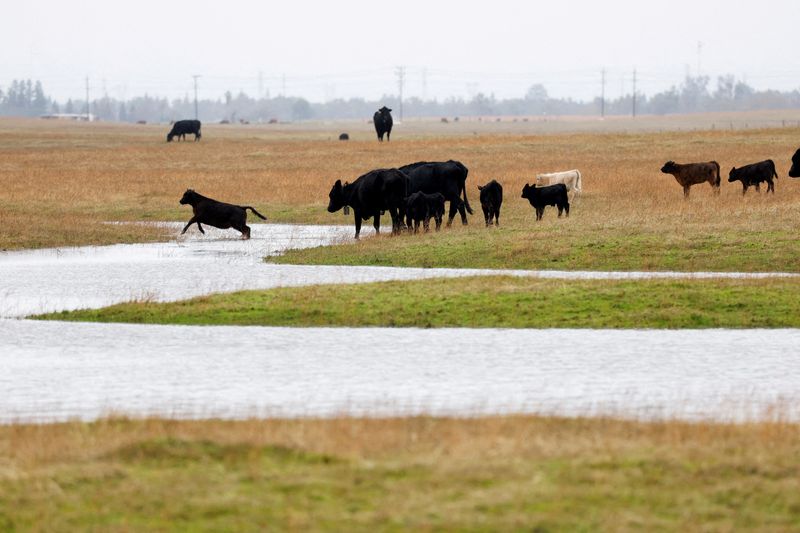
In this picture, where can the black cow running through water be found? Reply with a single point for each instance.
(217, 214)
(383, 123)
(370, 195)
(448, 178)
(754, 174)
(182, 127)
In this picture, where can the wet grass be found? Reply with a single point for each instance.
(503, 302)
(486, 474)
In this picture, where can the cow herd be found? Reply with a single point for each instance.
(752, 175)
(413, 194)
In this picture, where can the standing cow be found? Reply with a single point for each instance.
(370, 195)
(448, 178)
(794, 172)
(754, 174)
(182, 127)
(539, 197)
(491, 200)
(693, 173)
(383, 123)
(570, 178)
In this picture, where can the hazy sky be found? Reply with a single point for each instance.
(348, 48)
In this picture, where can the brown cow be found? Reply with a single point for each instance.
(693, 173)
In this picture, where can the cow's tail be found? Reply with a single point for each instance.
(254, 211)
(718, 180)
(773, 169)
(464, 190)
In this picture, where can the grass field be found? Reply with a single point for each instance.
(59, 182)
(485, 302)
(483, 474)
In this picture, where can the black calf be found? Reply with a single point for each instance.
(217, 214)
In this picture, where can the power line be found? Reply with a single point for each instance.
(401, 75)
(196, 114)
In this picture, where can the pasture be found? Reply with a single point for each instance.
(60, 183)
(475, 474)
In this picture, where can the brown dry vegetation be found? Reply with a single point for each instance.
(59, 181)
(496, 473)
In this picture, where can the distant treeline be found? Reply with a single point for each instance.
(27, 98)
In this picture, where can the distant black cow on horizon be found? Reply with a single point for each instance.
(794, 172)
(491, 200)
(448, 178)
(383, 123)
(217, 214)
(370, 195)
(182, 127)
(539, 197)
(754, 174)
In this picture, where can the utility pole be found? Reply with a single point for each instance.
(603, 94)
(88, 116)
(401, 75)
(260, 84)
(634, 93)
(699, 56)
(195, 76)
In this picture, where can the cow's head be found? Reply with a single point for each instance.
(189, 197)
(669, 167)
(528, 191)
(169, 137)
(794, 172)
(732, 175)
(336, 197)
(384, 110)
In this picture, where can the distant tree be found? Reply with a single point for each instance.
(301, 109)
(69, 107)
(536, 93)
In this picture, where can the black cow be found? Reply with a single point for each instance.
(421, 207)
(794, 172)
(491, 200)
(539, 197)
(217, 214)
(344, 137)
(182, 127)
(448, 178)
(754, 174)
(370, 195)
(383, 123)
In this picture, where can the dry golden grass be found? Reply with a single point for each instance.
(58, 181)
(494, 473)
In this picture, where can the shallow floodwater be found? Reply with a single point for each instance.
(40, 281)
(56, 371)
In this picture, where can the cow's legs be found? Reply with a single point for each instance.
(438, 223)
(560, 210)
(357, 217)
(200, 228)
(497, 217)
(758, 186)
(191, 221)
(686, 191)
(462, 211)
(376, 223)
(396, 220)
(539, 213)
(452, 214)
(245, 229)
(771, 186)
(566, 208)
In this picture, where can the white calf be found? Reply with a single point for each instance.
(570, 178)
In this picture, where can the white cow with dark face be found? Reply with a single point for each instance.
(570, 178)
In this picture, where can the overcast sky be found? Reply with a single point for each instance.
(349, 48)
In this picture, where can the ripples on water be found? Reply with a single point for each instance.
(55, 371)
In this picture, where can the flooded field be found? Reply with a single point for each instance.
(57, 371)
(40, 281)
(234, 372)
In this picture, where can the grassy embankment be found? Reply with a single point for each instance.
(485, 302)
(60, 182)
(487, 474)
